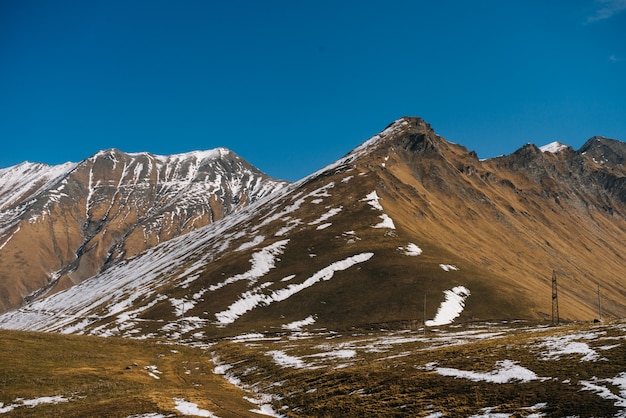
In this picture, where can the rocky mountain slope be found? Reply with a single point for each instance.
(406, 229)
(62, 224)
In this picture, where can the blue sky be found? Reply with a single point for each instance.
(294, 85)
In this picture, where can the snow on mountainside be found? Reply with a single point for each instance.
(408, 227)
(62, 224)
(553, 147)
(24, 183)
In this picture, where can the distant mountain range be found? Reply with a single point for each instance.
(407, 228)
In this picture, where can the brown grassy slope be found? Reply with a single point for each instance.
(505, 232)
(107, 377)
(393, 374)
(501, 221)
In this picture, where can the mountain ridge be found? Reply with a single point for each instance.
(378, 237)
(84, 216)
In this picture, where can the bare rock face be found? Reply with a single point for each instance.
(60, 225)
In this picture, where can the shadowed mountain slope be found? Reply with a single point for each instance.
(406, 228)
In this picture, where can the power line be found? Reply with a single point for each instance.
(555, 300)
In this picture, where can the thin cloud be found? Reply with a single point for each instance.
(615, 58)
(608, 9)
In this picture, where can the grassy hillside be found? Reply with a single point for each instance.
(513, 370)
(108, 377)
(510, 369)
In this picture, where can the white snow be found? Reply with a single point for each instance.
(31, 403)
(569, 344)
(152, 371)
(553, 147)
(488, 412)
(285, 360)
(190, 408)
(448, 267)
(324, 217)
(262, 262)
(337, 354)
(253, 298)
(411, 250)
(506, 371)
(264, 407)
(256, 241)
(297, 325)
(619, 381)
(386, 222)
(373, 200)
(451, 307)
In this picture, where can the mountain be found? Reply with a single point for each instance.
(406, 228)
(62, 224)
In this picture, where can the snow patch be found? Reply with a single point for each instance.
(373, 200)
(152, 371)
(262, 262)
(553, 147)
(256, 241)
(332, 212)
(285, 360)
(448, 267)
(568, 344)
(411, 250)
(190, 408)
(31, 403)
(506, 371)
(451, 307)
(386, 222)
(604, 392)
(297, 325)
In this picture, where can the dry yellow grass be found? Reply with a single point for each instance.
(107, 377)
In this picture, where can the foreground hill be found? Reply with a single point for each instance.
(481, 370)
(407, 228)
(62, 224)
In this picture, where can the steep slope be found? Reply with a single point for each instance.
(406, 228)
(60, 225)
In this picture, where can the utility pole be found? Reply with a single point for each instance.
(555, 300)
(599, 303)
(424, 313)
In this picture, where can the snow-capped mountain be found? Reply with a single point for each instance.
(62, 224)
(407, 227)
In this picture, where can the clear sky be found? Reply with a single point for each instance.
(292, 86)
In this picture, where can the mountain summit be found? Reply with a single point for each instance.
(407, 228)
(63, 224)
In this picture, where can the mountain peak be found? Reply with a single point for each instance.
(405, 127)
(553, 147)
(604, 150)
